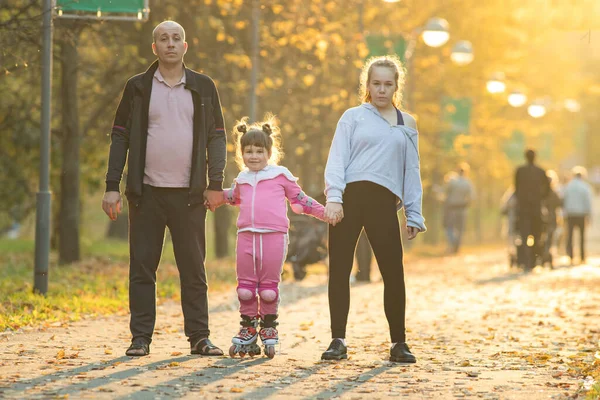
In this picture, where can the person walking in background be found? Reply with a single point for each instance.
(552, 204)
(169, 129)
(509, 209)
(372, 171)
(260, 191)
(531, 188)
(577, 205)
(458, 197)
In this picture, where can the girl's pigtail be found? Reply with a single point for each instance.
(267, 129)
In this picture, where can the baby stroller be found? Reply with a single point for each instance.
(308, 243)
(523, 252)
(528, 253)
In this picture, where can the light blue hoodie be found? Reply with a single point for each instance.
(366, 147)
(577, 198)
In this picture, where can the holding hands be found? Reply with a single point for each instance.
(334, 213)
(213, 199)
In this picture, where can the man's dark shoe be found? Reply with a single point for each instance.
(336, 351)
(139, 347)
(204, 347)
(401, 353)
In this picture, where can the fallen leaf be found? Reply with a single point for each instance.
(60, 355)
(236, 390)
(176, 353)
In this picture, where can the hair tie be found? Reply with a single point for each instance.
(242, 128)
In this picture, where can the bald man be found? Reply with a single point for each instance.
(169, 129)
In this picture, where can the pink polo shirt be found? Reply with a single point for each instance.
(170, 134)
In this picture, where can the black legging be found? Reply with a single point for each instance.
(373, 207)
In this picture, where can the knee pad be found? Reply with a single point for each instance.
(269, 293)
(246, 293)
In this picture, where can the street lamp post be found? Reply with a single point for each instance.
(255, 58)
(517, 99)
(462, 53)
(435, 33)
(42, 223)
(496, 83)
(572, 105)
(537, 109)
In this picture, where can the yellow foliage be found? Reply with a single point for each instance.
(308, 79)
(277, 8)
(240, 60)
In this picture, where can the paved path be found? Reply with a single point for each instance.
(478, 330)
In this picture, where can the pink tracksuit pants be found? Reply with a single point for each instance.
(260, 258)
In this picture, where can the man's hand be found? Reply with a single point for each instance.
(112, 204)
(412, 232)
(334, 213)
(213, 199)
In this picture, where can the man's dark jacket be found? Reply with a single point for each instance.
(130, 132)
(531, 187)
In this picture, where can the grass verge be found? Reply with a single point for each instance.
(98, 285)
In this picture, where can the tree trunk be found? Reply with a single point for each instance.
(68, 230)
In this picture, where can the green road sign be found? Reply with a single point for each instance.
(108, 6)
(456, 114)
(103, 9)
(381, 45)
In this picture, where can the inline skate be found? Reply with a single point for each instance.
(268, 334)
(245, 342)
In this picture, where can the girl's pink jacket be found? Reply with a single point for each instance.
(261, 197)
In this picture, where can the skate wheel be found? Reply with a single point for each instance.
(242, 354)
(270, 351)
(232, 351)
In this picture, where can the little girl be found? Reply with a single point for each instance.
(260, 191)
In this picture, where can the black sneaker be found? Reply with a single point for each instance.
(401, 353)
(336, 351)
